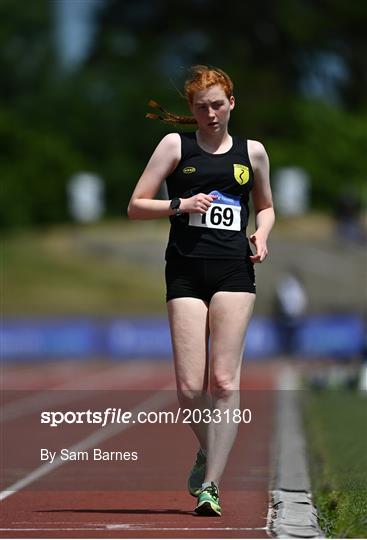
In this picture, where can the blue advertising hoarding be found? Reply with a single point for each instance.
(149, 337)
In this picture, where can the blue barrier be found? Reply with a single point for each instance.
(124, 338)
(46, 339)
(334, 336)
(134, 338)
(262, 339)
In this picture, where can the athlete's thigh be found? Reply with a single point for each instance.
(229, 315)
(188, 318)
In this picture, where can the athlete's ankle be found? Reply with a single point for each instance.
(205, 485)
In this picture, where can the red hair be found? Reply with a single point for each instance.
(201, 78)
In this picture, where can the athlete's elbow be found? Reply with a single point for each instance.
(266, 207)
(132, 211)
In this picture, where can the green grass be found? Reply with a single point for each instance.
(336, 423)
(117, 267)
(55, 272)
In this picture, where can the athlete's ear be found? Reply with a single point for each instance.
(231, 103)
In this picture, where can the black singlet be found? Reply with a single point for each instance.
(221, 232)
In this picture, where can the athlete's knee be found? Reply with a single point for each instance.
(224, 385)
(189, 392)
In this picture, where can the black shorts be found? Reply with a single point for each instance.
(201, 278)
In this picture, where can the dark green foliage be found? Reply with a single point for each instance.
(54, 123)
(33, 169)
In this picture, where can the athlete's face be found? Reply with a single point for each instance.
(211, 108)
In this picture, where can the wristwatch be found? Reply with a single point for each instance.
(175, 205)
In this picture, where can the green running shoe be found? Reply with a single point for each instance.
(208, 502)
(197, 474)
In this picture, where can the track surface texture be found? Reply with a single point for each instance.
(142, 499)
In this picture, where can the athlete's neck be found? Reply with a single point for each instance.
(215, 143)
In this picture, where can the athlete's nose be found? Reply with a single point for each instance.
(211, 113)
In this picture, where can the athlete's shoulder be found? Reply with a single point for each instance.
(178, 136)
(257, 154)
(169, 145)
(256, 149)
(171, 140)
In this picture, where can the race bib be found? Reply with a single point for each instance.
(224, 213)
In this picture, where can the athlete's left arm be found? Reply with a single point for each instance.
(262, 200)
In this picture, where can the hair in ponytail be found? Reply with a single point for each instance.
(167, 117)
(201, 77)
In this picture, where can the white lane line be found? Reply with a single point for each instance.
(29, 404)
(133, 528)
(55, 529)
(136, 526)
(153, 403)
(142, 528)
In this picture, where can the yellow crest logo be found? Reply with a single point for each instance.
(189, 170)
(241, 173)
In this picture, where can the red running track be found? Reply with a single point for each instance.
(142, 499)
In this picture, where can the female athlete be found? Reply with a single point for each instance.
(209, 264)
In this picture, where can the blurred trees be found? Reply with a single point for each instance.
(37, 156)
(299, 68)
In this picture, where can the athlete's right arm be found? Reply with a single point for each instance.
(162, 163)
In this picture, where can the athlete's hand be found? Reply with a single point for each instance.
(259, 241)
(198, 204)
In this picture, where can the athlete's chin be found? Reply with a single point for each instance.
(213, 128)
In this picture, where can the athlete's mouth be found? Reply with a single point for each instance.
(213, 124)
